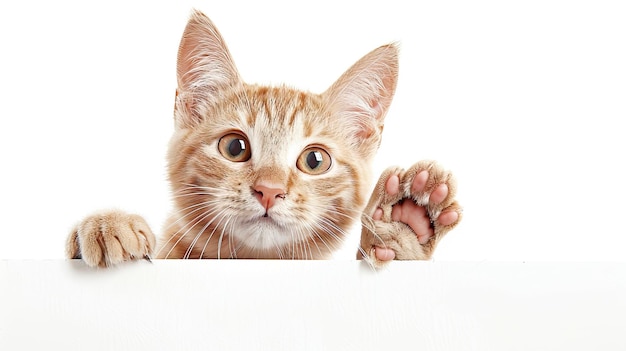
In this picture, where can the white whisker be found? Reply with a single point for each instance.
(219, 241)
(220, 215)
(193, 223)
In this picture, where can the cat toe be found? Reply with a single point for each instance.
(108, 239)
(387, 192)
(434, 188)
(383, 254)
(408, 214)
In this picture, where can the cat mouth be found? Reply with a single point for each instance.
(258, 218)
(266, 219)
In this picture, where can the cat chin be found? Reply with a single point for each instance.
(265, 234)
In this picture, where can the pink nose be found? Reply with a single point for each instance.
(267, 196)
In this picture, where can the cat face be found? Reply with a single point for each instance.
(270, 171)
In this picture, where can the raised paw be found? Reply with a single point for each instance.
(110, 238)
(408, 214)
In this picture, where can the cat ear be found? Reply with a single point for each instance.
(361, 97)
(205, 70)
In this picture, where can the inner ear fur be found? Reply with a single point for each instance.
(205, 70)
(361, 97)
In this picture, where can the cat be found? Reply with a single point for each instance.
(274, 172)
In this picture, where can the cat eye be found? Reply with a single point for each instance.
(234, 147)
(314, 160)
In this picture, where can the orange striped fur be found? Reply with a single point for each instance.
(216, 212)
(255, 171)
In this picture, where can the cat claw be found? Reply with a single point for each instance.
(109, 238)
(409, 212)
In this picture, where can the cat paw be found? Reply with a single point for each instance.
(110, 238)
(409, 212)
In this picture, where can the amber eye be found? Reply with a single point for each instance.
(234, 147)
(314, 160)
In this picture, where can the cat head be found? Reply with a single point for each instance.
(280, 172)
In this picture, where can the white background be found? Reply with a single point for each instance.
(313, 305)
(525, 102)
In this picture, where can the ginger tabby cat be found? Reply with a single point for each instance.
(274, 172)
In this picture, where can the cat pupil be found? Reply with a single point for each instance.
(236, 147)
(314, 159)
